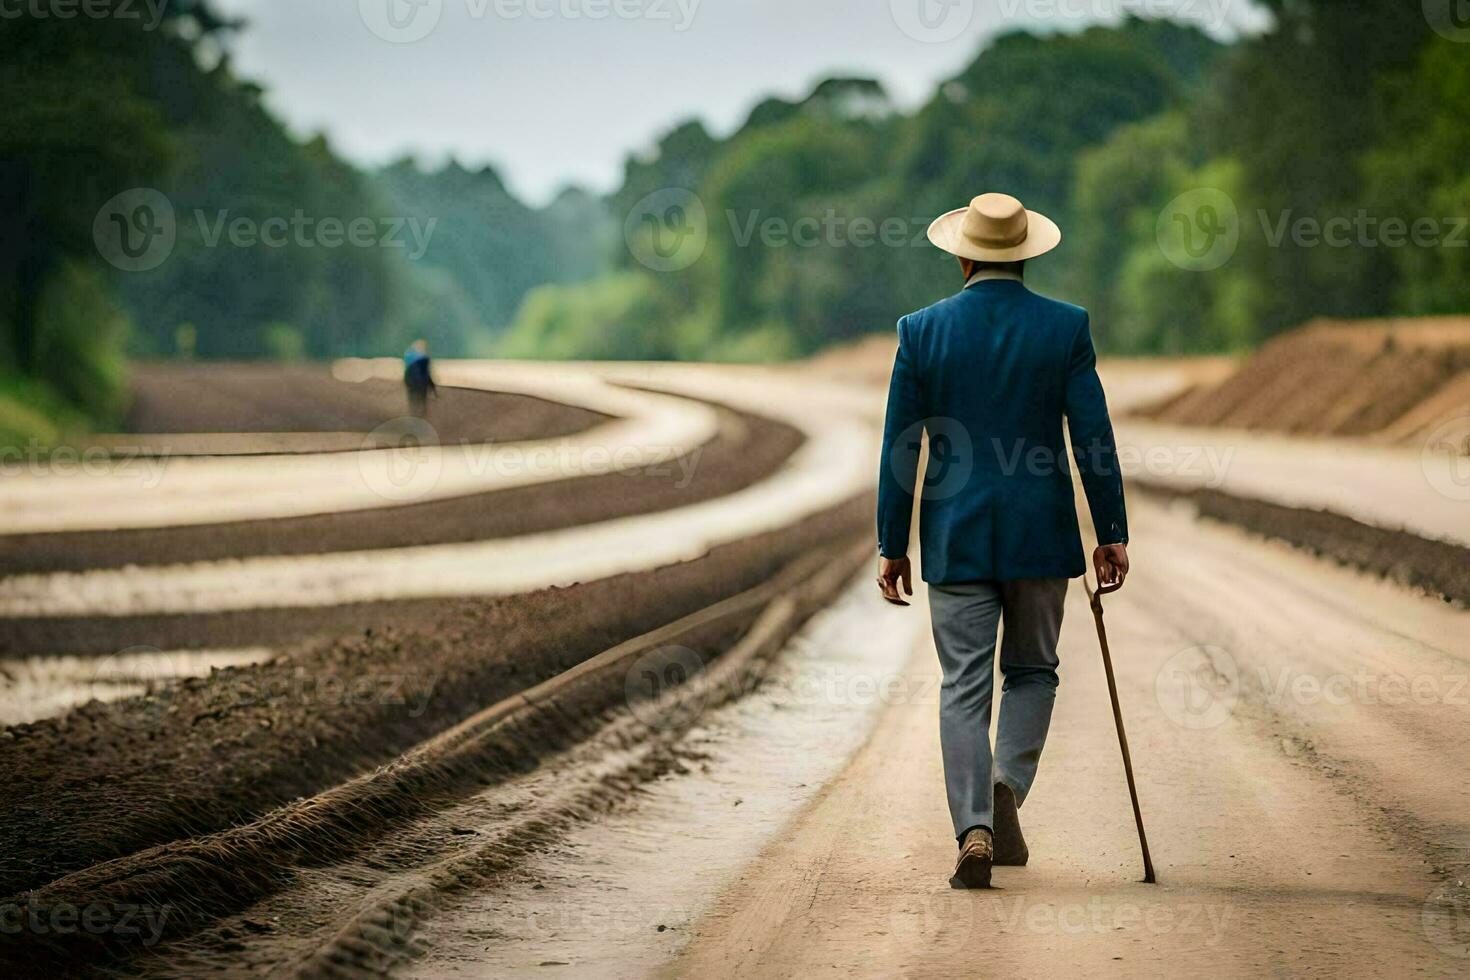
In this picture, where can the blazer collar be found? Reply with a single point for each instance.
(984, 274)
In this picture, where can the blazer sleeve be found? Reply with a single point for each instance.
(899, 464)
(1093, 445)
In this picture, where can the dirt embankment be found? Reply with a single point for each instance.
(747, 450)
(1393, 380)
(1438, 568)
(109, 779)
(402, 810)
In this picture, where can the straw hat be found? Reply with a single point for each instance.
(995, 228)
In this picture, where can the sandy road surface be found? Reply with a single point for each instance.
(1427, 493)
(1298, 730)
(1304, 783)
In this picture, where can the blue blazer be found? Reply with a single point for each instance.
(990, 373)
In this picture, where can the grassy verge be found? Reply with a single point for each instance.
(32, 415)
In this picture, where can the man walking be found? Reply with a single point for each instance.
(989, 374)
(418, 378)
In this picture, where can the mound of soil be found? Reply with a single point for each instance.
(1394, 379)
(720, 652)
(234, 397)
(1439, 568)
(746, 451)
(210, 753)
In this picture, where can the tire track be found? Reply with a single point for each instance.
(109, 779)
(197, 881)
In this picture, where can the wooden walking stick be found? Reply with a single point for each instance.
(1095, 598)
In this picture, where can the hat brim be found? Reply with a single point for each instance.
(1042, 235)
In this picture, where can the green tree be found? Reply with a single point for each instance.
(1296, 107)
(1120, 188)
(1160, 308)
(1418, 173)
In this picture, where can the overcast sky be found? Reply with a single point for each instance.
(552, 92)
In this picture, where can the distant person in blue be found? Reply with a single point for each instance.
(418, 378)
(989, 374)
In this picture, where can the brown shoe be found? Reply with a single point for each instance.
(1010, 845)
(976, 854)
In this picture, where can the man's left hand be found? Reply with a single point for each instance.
(891, 573)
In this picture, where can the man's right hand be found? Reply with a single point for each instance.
(1110, 562)
(893, 572)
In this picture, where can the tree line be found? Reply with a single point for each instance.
(119, 134)
(1211, 194)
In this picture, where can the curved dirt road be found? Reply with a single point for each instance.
(644, 428)
(1298, 734)
(833, 464)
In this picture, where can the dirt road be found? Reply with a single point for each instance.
(1297, 727)
(1298, 734)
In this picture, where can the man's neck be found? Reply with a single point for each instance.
(980, 275)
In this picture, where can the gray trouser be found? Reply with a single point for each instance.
(965, 617)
